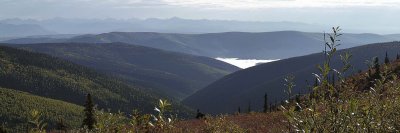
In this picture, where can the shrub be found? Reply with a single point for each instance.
(221, 125)
(38, 125)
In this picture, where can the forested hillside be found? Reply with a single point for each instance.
(175, 74)
(55, 78)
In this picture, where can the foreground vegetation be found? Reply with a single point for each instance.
(367, 102)
(16, 107)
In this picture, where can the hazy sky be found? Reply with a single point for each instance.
(343, 12)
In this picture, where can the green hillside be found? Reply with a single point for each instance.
(55, 78)
(16, 106)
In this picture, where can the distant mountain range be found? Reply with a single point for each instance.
(249, 85)
(171, 25)
(20, 30)
(264, 45)
(174, 74)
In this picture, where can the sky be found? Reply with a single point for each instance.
(327, 12)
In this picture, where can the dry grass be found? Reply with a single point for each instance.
(253, 123)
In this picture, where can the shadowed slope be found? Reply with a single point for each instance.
(249, 85)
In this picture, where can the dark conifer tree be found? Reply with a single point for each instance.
(239, 109)
(377, 68)
(60, 125)
(298, 98)
(270, 107)
(298, 102)
(89, 121)
(370, 79)
(316, 82)
(387, 61)
(397, 57)
(333, 79)
(266, 103)
(199, 114)
(249, 108)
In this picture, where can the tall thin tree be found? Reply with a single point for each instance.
(333, 79)
(266, 103)
(377, 68)
(270, 107)
(249, 107)
(60, 125)
(89, 121)
(387, 60)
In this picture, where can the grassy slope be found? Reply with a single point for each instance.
(253, 123)
(16, 106)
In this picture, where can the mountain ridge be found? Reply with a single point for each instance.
(244, 45)
(22, 30)
(175, 24)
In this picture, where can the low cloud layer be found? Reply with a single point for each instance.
(244, 63)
